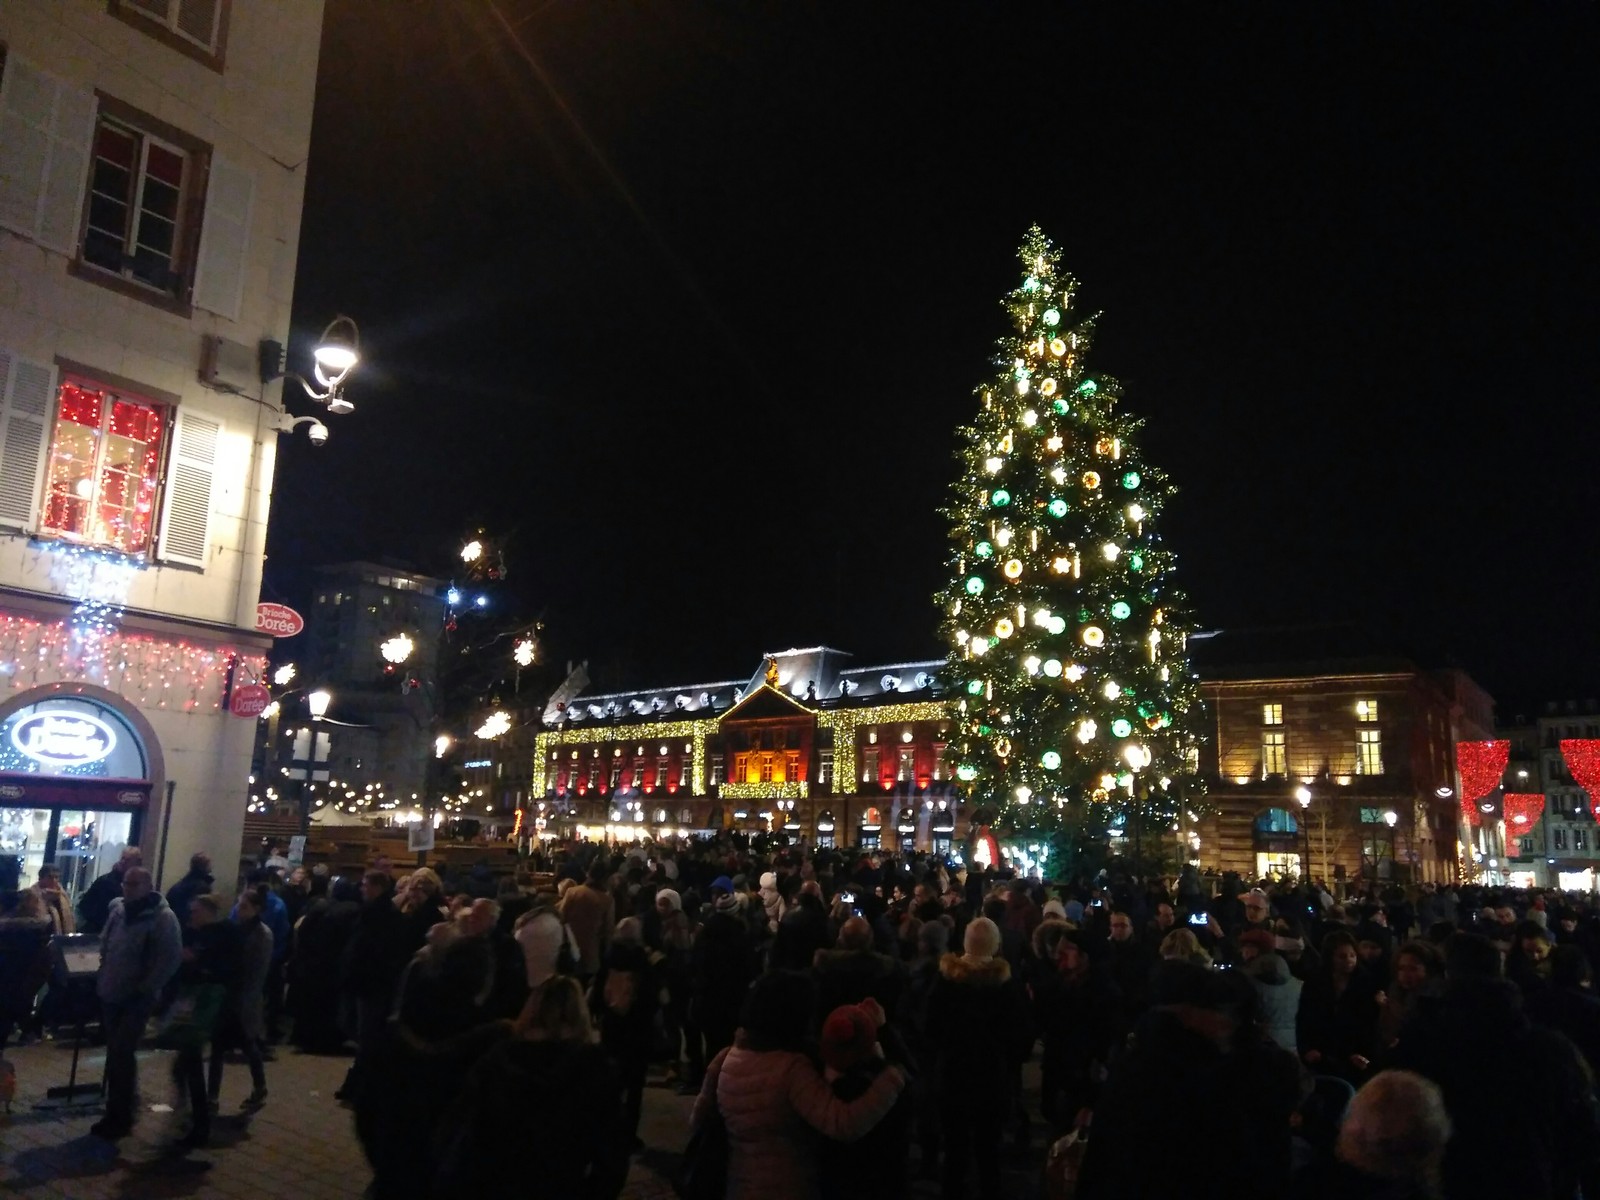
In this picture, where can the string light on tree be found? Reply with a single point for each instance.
(1083, 555)
(397, 649)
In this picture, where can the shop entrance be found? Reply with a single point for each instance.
(74, 789)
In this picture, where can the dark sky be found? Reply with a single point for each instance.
(687, 298)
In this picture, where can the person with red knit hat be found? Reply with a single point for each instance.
(857, 1046)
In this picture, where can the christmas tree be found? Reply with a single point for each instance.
(1079, 712)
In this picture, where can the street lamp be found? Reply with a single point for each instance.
(318, 702)
(1391, 819)
(1303, 795)
(334, 356)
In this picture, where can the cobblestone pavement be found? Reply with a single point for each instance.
(301, 1145)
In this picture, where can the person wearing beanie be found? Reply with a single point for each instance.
(721, 966)
(980, 1028)
(771, 1098)
(1054, 908)
(855, 1042)
(1077, 1010)
(771, 901)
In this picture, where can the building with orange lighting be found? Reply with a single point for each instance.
(836, 754)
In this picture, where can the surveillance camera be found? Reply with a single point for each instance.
(318, 433)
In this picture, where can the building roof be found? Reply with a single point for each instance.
(816, 676)
(1291, 651)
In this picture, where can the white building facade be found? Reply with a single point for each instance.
(152, 159)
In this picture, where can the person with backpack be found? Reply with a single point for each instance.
(626, 999)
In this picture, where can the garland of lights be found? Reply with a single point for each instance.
(846, 722)
(1481, 766)
(158, 672)
(1583, 761)
(1522, 812)
(1067, 640)
(793, 789)
(546, 743)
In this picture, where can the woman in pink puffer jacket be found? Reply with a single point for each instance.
(775, 1101)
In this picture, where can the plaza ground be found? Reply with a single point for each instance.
(302, 1145)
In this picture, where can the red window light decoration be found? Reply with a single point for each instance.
(1481, 766)
(1583, 760)
(1523, 810)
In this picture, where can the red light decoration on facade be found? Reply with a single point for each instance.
(1523, 810)
(1481, 766)
(1583, 760)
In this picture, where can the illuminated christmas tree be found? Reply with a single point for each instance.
(1067, 637)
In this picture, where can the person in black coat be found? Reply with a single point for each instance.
(1198, 1068)
(1077, 1011)
(1336, 1029)
(94, 906)
(626, 998)
(857, 1045)
(723, 962)
(978, 1023)
(543, 1104)
(377, 953)
(1519, 1096)
(801, 933)
(211, 955)
(1568, 1004)
(315, 988)
(198, 882)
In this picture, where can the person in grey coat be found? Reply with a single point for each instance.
(141, 946)
(1279, 991)
(243, 1022)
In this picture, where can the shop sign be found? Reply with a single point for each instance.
(11, 792)
(249, 700)
(279, 620)
(62, 741)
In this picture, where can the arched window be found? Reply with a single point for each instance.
(872, 817)
(660, 816)
(686, 816)
(1276, 821)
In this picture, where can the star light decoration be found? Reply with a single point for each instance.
(1068, 644)
(495, 725)
(523, 652)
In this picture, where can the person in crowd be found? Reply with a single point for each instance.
(320, 941)
(1181, 945)
(1199, 1055)
(853, 971)
(723, 963)
(377, 954)
(1129, 961)
(626, 997)
(1292, 944)
(802, 932)
(1568, 1004)
(875, 1167)
(590, 911)
(141, 946)
(1163, 922)
(677, 943)
(55, 900)
(1256, 906)
(1277, 990)
(1476, 1043)
(1418, 972)
(770, 1095)
(1078, 1013)
(94, 906)
(198, 881)
(1336, 1029)
(547, 944)
(542, 1098)
(210, 955)
(979, 1024)
(275, 915)
(25, 931)
(243, 1023)
(1390, 1146)
(933, 940)
(1527, 962)
(421, 904)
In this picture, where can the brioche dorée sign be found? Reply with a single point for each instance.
(279, 620)
(249, 700)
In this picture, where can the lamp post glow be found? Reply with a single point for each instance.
(1303, 795)
(318, 702)
(1391, 819)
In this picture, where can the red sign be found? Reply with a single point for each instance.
(279, 620)
(249, 700)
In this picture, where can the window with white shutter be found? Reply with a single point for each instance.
(196, 28)
(186, 507)
(27, 390)
(224, 239)
(46, 127)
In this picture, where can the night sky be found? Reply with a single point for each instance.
(688, 298)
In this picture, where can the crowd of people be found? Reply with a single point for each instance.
(847, 1021)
